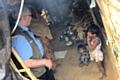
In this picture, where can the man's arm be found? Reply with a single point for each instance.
(23, 49)
(32, 63)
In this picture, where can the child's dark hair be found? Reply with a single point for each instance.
(82, 46)
(94, 29)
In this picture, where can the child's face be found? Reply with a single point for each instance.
(89, 34)
(81, 50)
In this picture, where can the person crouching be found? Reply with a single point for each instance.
(84, 57)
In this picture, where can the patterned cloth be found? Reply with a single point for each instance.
(85, 58)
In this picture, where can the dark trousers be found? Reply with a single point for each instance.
(48, 75)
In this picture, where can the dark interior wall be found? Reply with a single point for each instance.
(85, 4)
(61, 8)
(97, 15)
(38, 4)
(58, 8)
(5, 41)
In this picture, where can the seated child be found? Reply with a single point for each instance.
(84, 57)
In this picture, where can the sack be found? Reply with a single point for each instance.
(39, 26)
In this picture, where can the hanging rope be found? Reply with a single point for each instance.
(20, 11)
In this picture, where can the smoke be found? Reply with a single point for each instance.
(58, 8)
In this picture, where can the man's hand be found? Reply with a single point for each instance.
(48, 63)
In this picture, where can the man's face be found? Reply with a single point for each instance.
(28, 18)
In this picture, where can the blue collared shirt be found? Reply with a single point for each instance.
(22, 46)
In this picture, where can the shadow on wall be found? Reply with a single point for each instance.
(5, 41)
(98, 16)
(2, 39)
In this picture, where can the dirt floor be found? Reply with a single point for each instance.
(67, 68)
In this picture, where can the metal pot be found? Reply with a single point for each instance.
(73, 37)
(62, 37)
(64, 32)
(66, 39)
(69, 43)
(71, 33)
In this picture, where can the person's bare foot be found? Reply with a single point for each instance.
(87, 64)
(103, 77)
(81, 64)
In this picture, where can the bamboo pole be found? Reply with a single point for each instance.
(30, 74)
(109, 3)
(110, 14)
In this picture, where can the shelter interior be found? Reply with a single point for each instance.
(62, 17)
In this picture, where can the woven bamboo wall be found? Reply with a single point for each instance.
(110, 13)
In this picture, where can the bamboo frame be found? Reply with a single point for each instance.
(25, 69)
(109, 3)
(15, 68)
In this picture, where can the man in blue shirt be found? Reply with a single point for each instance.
(25, 50)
